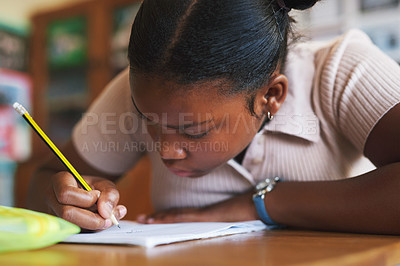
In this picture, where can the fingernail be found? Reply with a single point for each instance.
(150, 220)
(109, 208)
(141, 218)
(107, 224)
(122, 212)
(97, 193)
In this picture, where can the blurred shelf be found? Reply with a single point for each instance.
(73, 101)
(76, 51)
(72, 51)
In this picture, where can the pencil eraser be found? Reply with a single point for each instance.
(19, 108)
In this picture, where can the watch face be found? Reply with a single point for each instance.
(261, 185)
(267, 182)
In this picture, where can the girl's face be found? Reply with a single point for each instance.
(195, 130)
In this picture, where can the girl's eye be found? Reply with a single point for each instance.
(196, 136)
(141, 116)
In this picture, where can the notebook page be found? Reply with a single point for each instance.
(150, 235)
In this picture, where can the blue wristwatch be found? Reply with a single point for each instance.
(258, 198)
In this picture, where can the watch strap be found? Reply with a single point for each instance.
(262, 212)
(263, 188)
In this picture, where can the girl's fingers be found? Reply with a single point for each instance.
(67, 192)
(141, 218)
(120, 212)
(82, 217)
(176, 216)
(78, 206)
(108, 200)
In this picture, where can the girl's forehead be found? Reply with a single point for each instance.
(153, 89)
(161, 97)
(159, 85)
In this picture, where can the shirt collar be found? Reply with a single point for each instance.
(296, 116)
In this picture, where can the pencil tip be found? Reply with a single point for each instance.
(119, 226)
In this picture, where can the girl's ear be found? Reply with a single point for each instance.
(272, 96)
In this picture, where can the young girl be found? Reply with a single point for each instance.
(220, 104)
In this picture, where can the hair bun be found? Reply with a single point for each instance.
(300, 4)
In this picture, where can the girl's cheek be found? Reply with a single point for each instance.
(152, 132)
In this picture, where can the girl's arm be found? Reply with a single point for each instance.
(368, 203)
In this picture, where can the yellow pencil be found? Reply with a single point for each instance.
(22, 111)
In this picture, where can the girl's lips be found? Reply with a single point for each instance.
(182, 173)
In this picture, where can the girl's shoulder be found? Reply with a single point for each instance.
(353, 42)
(354, 84)
(334, 49)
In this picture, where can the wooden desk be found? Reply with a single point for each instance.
(258, 248)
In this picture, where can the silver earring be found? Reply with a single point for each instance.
(270, 116)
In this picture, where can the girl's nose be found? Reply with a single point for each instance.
(172, 151)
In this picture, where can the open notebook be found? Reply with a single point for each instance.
(150, 235)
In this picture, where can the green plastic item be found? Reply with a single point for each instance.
(22, 229)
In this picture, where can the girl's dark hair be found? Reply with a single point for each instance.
(239, 41)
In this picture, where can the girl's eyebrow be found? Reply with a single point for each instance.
(170, 126)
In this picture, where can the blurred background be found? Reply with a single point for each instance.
(57, 55)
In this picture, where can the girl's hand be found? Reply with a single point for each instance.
(74, 204)
(239, 208)
(175, 216)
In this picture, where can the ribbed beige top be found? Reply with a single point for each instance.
(338, 91)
